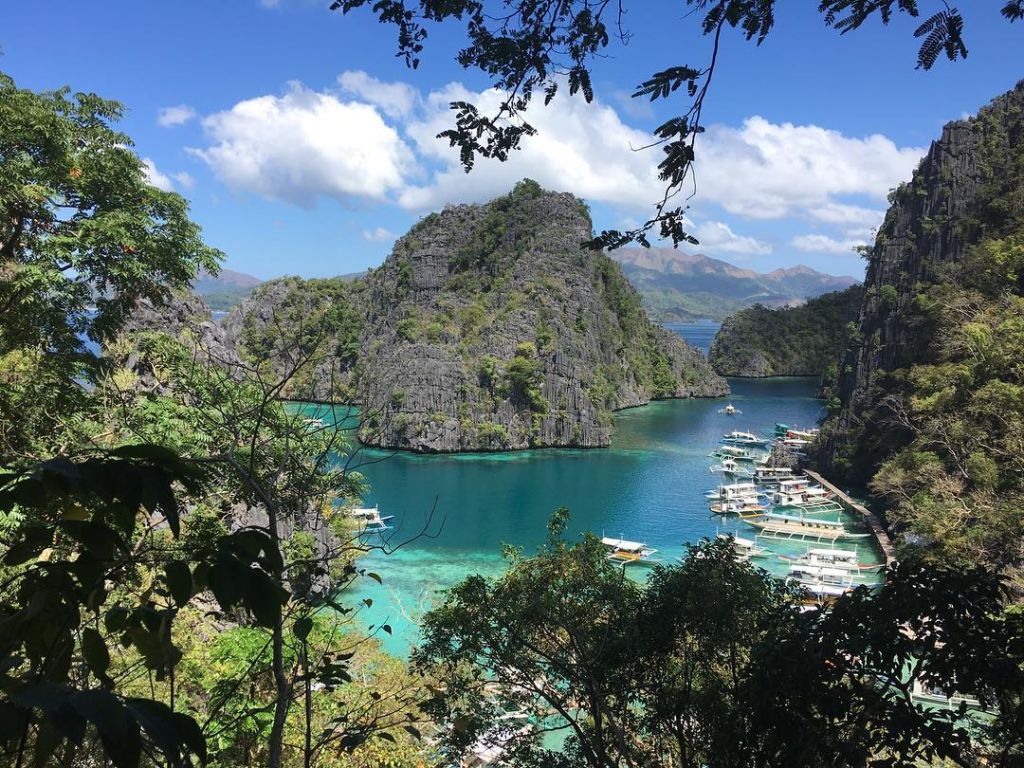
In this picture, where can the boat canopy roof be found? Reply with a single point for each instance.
(803, 520)
(624, 544)
(832, 554)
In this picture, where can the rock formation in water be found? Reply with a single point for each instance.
(791, 341)
(488, 327)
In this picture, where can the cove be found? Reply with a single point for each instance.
(647, 486)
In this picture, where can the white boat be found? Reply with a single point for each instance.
(825, 592)
(491, 747)
(732, 468)
(748, 505)
(730, 410)
(731, 492)
(808, 498)
(765, 475)
(778, 526)
(746, 547)
(823, 574)
(371, 519)
(625, 551)
(845, 559)
(737, 437)
(736, 453)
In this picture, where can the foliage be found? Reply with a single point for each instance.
(709, 663)
(60, 611)
(80, 226)
(938, 435)
(790, 341)
(542, 46)
(524, 377)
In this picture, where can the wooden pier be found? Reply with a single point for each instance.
(873, 521)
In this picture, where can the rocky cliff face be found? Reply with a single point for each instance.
(963, 189)
(789, 341)
(184, 316)
(490, 328)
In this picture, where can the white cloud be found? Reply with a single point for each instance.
(375, 141)
(156, 177)
(304, 145)
(826, 244)
(766, 170)
(393, 99)
(379, 235)
(847, 215)
(581, 148)
(179, 115)
(716, 236)
(184, 180)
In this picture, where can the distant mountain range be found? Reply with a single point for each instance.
(682, 287)
(226, 289)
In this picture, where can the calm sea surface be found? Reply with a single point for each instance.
(648, 486)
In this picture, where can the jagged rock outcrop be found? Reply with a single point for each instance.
(789, 341)
(966, 187)
(489, 327)
(183, 316)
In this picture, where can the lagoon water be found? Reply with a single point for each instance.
(647, 487)
(457, 511)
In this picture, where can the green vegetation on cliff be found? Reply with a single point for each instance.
(933, 386)
(793, 341)
(489, 327)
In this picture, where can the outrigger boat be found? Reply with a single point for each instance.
(730, 410)
(748, 505)
(777, 526)
(825, 592)
(810, 499)
(765, 475)
(746, 548)
(822, 574)
(372, 520)
(737, 437)
(626, 552)
(845, 559)
(736, 453)
(784, 430)
(732, 468)
(732, 492)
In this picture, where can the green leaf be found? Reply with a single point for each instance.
(35, 538)
(303, 627)
(95, 653)
(264, 597)
(374, 576)
(179, 581)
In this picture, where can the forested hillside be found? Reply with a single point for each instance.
(932, 386)
(791, 341)
(683, 287)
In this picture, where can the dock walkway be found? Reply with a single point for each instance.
(873, 521)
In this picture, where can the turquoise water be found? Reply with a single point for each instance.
(454, 513)
(699, 335)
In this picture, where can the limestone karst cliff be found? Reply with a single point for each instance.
(966, 191)
(489, 327)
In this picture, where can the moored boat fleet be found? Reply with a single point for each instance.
(781, 504)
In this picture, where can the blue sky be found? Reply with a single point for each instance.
(305, 146)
